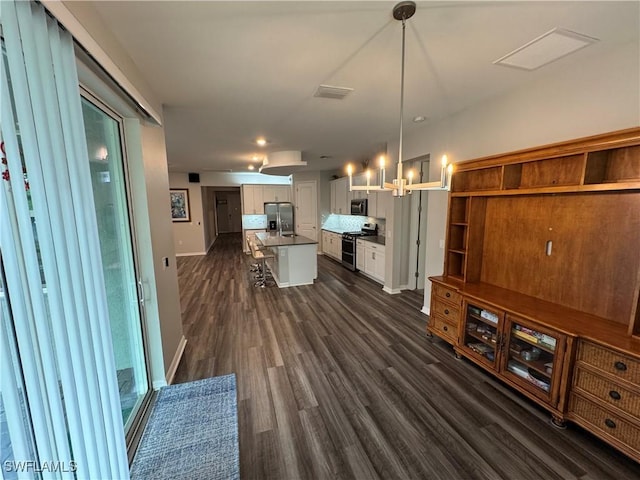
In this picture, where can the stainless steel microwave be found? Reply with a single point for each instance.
(359, 207)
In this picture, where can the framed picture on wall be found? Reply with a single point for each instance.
(180, 205)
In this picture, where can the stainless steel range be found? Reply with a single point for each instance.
(349, 244)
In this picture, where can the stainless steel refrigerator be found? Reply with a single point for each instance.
(279, 217)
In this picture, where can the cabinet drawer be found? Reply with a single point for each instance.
(447, 311)
(606, 422)
(443, 328)
(608, 391)
(447, 294)
(610, 361)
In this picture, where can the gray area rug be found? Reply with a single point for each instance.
(192, 433)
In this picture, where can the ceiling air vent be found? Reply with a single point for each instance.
(328, 91)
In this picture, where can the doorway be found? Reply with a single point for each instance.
(418, 225)
(228, 211)
(307, 209)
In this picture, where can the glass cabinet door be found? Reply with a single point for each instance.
(532, 357)
(481, 335)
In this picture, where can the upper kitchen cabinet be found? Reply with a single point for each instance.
(255, 196)
(340, 196)
(378, 203)
(253, 200)
(277, 193)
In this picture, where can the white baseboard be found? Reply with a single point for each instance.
(171, 372)
(426, 310)
(190, 254)
(392, 291)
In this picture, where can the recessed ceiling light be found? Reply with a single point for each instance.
(255, 158)
(545, 49)
(251, 167)
(261, 141)
(419, 118)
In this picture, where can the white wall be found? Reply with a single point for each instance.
(189, 237)
(166, 292)
(600, 96)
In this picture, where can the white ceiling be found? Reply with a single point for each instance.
(227, 72)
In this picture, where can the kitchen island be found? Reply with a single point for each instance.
(295, 260)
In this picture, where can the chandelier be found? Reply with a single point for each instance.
(400, 186)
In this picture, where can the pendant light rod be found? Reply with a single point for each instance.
(399, 173)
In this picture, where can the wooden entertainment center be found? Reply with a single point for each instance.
(541, 278)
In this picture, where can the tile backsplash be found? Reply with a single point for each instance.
(336, 223)
(254, 221)
(350, 223)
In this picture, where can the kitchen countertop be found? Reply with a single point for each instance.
(271, 239)
(379, 239)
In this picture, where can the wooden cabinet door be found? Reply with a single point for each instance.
(532, 357)
(481, 333)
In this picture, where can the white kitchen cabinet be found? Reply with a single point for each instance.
(377, 202)
(340, 196)
(384, 204)
(374, 258)
(378, 268)
(276, 193)
(252, 200)
(360, 254)
(332, 244)
(325, 242)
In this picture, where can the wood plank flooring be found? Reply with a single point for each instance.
(338, 380)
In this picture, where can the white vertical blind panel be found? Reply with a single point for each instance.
(50, 119)
(79, 174)
(18, 434)
(66, 302)
(95, 333)
(23, 272)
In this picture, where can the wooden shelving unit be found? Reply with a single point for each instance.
(549, 237)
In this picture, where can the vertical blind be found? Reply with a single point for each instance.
(53, 271)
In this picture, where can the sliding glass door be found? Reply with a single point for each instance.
(117, 248)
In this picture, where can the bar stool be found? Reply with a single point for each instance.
(251, 243)
(263, 276)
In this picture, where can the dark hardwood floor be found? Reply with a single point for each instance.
(338, 380)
